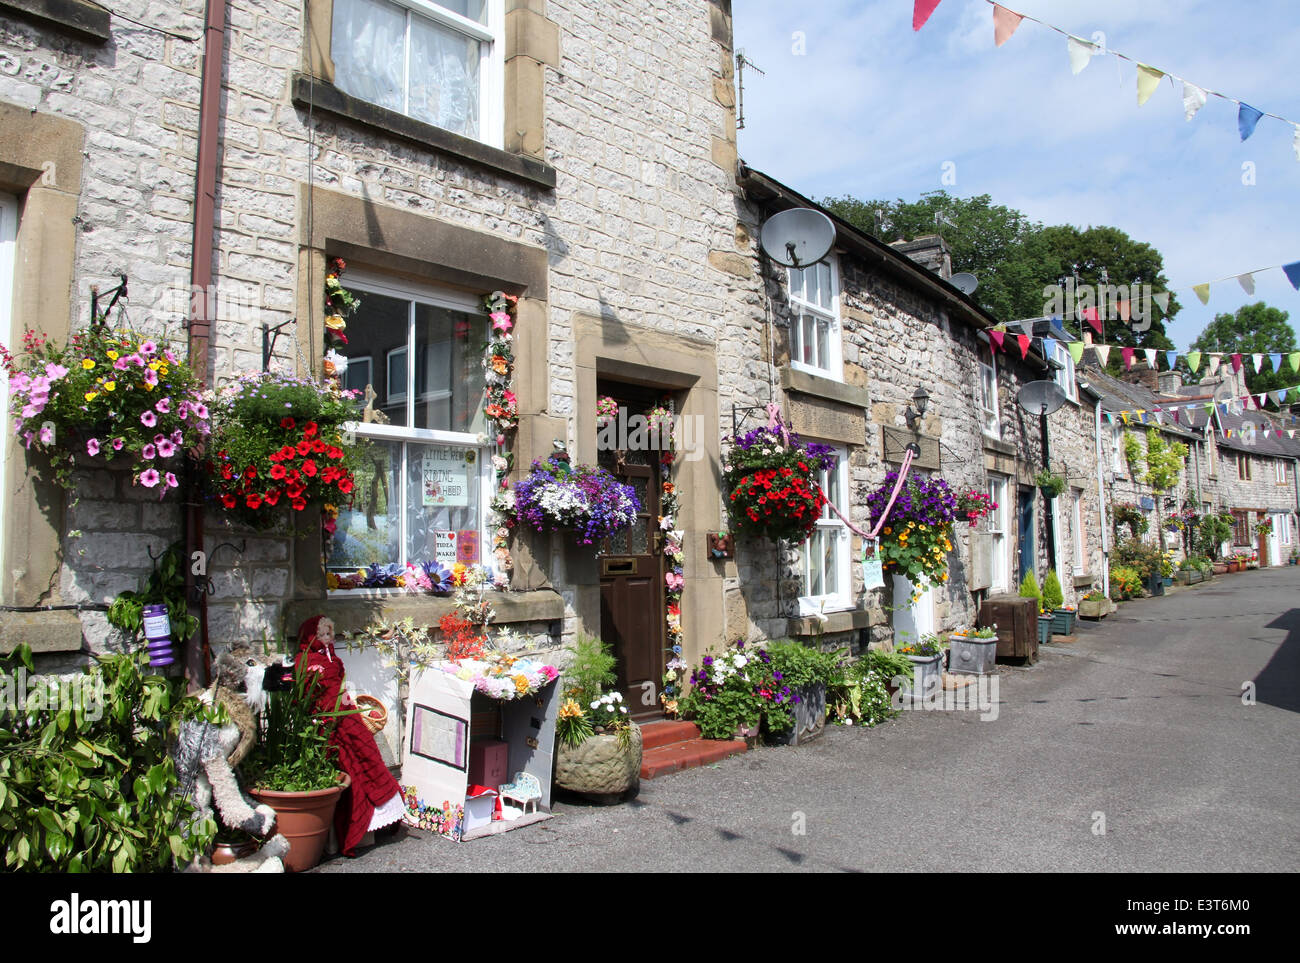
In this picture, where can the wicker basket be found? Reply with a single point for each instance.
(368, 704)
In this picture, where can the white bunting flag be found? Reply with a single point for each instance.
(1081, 53)
(1247, 282)
(1259, 362)
(1148, 81)
(1193, 99)
(1103, 352)
(1290, 432)
(1162, 299)
(1151, 357)
(1214, 364)
(1262, 398)
(1296, 143)
(1157, 417)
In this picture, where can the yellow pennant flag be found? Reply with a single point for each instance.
(1202, 292)
(1193, 360)
(1148, 80)
(1076, 350)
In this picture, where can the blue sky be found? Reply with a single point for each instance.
(875, 110)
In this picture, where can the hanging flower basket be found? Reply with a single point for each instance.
(917, 535)
(111, 396)
(584, 499)
(773, 483)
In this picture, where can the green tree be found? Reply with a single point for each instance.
(1018, 261)
(1164, 464)
(1253, 329)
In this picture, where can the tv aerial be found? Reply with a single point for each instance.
(965, 282)
(1040, 397)
(797, 237)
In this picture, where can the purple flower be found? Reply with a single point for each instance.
(92, 447)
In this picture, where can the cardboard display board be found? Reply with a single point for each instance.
(435, 759)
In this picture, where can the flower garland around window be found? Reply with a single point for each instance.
(502, 410)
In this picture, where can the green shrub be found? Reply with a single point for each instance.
(859, 695)
(86, 782)
(591, 671)
(1052, 596)
(801, 666)
(1029, 587)
(1125, 582)
(1145, 559)
(292, 753)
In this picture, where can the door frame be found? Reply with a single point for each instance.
(8, 258)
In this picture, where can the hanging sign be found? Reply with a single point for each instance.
(444, 477)
(873, 573)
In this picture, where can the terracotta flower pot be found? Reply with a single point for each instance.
(304, 819)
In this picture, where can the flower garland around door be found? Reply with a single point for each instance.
(501, 407)
(663, 419)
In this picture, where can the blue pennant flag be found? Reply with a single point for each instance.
(1276, 358)
(1292, 272)
(1172, 357)
(1247, 118)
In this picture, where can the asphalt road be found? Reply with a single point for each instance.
(1141, 720)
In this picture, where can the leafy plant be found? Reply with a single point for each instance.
(584, 499)
(859, 695)
(1146, 560)
(1132, 516)
(293, 753)
(591, 670)
(979, 632)
(800, 666)
(771, 477)
(86, 782)
(1133, 454)
(1125, 582)
(738, 688)
(1215, 530)
(1052, 485)
(572, 727)
(164, 586)
(926, 646)
(1053, 598)
(917, 535)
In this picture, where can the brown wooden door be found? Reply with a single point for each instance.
(632, 602)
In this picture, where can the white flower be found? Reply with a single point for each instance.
(623, 709)
(741, 662)
(595, 705)
(609, 708)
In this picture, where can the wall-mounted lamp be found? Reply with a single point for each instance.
(916, 411)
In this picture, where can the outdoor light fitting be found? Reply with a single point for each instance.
(916, 411)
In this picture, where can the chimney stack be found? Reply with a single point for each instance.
(930, 251)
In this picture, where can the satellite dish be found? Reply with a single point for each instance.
(797, 237)
(965, 283)
(1040, 397)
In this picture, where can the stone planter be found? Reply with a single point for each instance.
(809, 717)
(1095, 608)
(1220, 568)
(600, 768)
(1063, 621)
(304, 819)
(1044, 629)
(927, 676)
(971, 656)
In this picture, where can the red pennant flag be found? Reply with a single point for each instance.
(1128, 357)
(921, 12)
(1025, 341)
(1236, 363)
(1004, 24)
(998, 337)
(1090, 315)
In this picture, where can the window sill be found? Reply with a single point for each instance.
(83, 20)
(818, 384)
(846, 621)
(995, 444)
(318, 95)
(354, 609)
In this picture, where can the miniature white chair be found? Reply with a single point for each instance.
(524, 790)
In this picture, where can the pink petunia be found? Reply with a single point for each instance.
(163, 406)
(148, 452)
(166, 449)
(118, 443)
(150, 376)
(148, 419)
(149, 348)
(171, 481)
(92, 446)
(178, 437)
(202, 411)
(47, 435)
(149, 478)
(167, 353)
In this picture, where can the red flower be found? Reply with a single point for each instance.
(250, 472)
(335, 453)
(228, 501)
(299, 504)
(304, 447)
(278, 472)
(309, 468)
(226, 473)
(310, 430)
(318, 447)
(287, 452)
(253, 501)
(287, 423)
(345, 485)
(273, 496)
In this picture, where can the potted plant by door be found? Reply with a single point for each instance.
(598, 748)
(733, 695)
(926, 656)
(807, 671)
(1094, 605)
(292, 769)
(1054, 603)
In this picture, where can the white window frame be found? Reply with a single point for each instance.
(833, 366)
(1076, 529)
(1117, 465)
(1000, 576)
(8, 253)
(1279, 471)
(988, 393)
(1064, 375)
(361, 282)
(491, 92)
(810, 605)
(1243, 467)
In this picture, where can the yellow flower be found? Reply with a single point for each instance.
(335, 322)
(911, 525)
(155, 365)
(112, 355)
(570, 710)
(92, 395)
(148, 387)
(87, 363)
(521, 684)
(110, 385)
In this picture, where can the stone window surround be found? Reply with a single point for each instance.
(843, 600)
(40, 163)
(419, 248)
(78, 18)
(531, 44)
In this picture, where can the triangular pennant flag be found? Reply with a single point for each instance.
(1223, 408)
(921, 12)
(1157, 416)
(1128, 358)
(1172, 358)
(1124, 415)
(1148, 81)
(1090, 315)
(1261, 399)
(1081, 53)
(1194, 360)
(1275, 360)
(1292, 272)
(998, 337)
(1162, 299)
(1110, 418)
(1236, 363)
(1247, 282)
(1025, 341)
(1259, 362)
(1247, 118)
(1290, 432)
(1004, 24)
(1265, 432)
(1193, 99)
(1279, 396)
(1215, 360)
(1293, 359)
(1103, 352)
(1076, 350)
(1295, 143)
(1202, 292)
(1151, 356)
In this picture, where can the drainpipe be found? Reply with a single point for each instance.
(1101, 502)
(202, 303)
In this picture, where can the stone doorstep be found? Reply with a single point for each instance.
(672, 746)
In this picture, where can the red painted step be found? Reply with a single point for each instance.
(671, 746)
